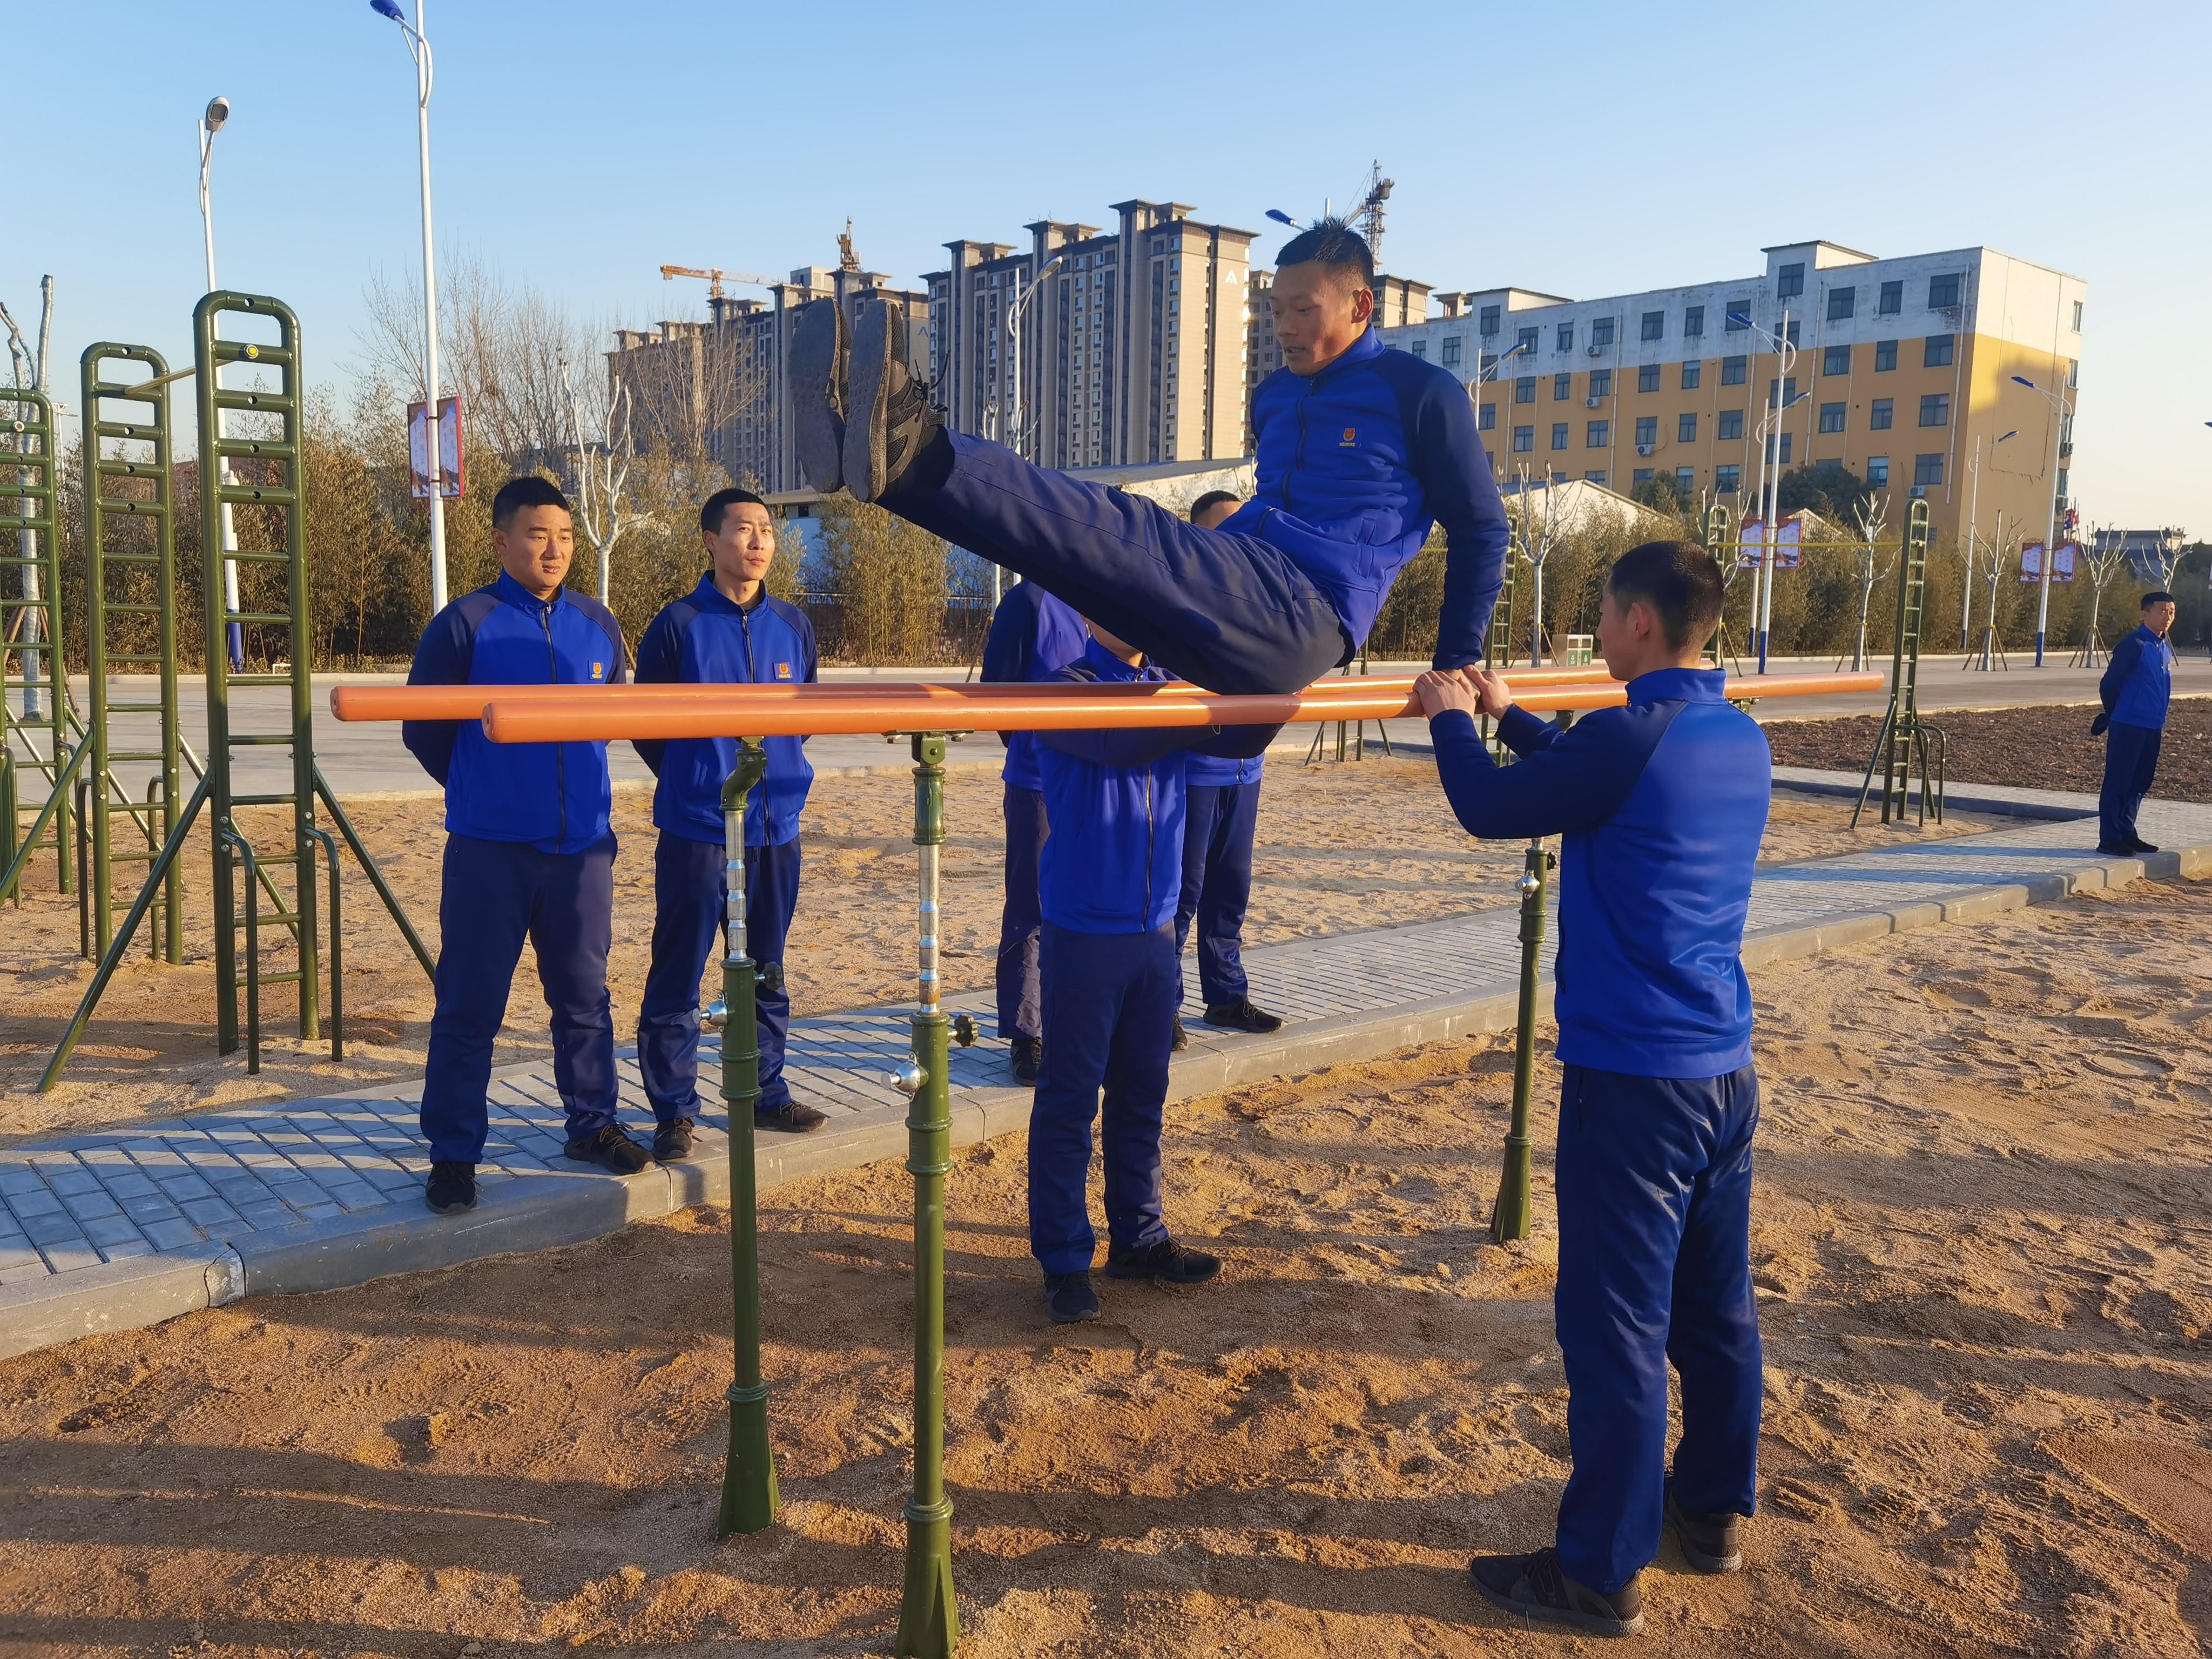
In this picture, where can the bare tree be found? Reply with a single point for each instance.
(1873, 513)
(602, 509)
(30, 374)
(2105, 555)
(1537, 536)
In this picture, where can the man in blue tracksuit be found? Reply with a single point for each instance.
(1110, 982)
(528, 851)
(1661, 806)
(725, 631)
(1033, 635)
(1360, 450)
(2137, 686)
(1221, 812)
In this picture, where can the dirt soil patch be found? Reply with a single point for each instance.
(1340, 847)
(2044, 746)
(1980, 1242)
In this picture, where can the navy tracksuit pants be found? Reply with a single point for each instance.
(493, 895)
(1110, 1003)
(1218, 820)
(1230, 611)
(690, 889)
(1021, 922)
(1654, 1183)
(2130, 765)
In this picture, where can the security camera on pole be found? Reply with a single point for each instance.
(419, 48)
(217, 112)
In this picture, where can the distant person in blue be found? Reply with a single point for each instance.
(1360, 451)
(726, 631)
(2137, 686)
(528, 851)
(1221, 812)
(1661, 806)
(1110, 981)
(1033, 636)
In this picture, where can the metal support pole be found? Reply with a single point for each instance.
(749, 1495)
(1509, 1218)
(929, 1615)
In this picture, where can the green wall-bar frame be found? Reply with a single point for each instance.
(1905, 739)
(33, 666)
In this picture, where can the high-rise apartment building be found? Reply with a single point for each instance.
(1903, 369)
(1129, 350)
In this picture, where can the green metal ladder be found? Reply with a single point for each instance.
(1904, 737)
(34, 670)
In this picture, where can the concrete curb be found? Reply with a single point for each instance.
(535, 1212)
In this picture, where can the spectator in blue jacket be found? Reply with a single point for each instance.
(1033, 636)
(528, 850)
(1110, 871)
(727, 630)
(1661, 806)
(1221, 812)
(2137, 686)
(1360, 451)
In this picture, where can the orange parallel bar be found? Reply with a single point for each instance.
(717, 714)
(468, 702)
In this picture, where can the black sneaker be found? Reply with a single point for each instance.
(818, 355)
(452, 1187)
(610, 1149)
(1029, 1059)
(1710, 1542)
(1535, 1585)
(2106, 849)
(888, 419)
(671, 1142)
(1069, 1299)
(1242, 1016)
(1166, 1262)
(1178, 1039)
(2144, 847)
(790, 1118)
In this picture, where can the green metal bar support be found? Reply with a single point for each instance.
(929, 1613)
(1904, 735)
(749, 1495)
(375, 875)
(1510, 1217)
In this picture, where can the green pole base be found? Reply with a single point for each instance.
(1509, 1218)
(749, 1495)
(929, 1616)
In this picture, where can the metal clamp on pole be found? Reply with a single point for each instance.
(749, 1495)
(1509, 1218)
(929, 1615)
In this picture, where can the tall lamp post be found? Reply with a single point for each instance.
(418, 47)
(2060, 414)
(1013, 435)
(210, 123)
(1786, 352)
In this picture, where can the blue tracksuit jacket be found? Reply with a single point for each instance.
(704, 638)
(2138, 682)
(1033, 636)
(1355, 464)
(553, 795)
(1112, 862)
(1662, 805)
(1213, 772)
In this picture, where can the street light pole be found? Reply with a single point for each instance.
(1770, 473)
(418, 47)
(210, 123)
(2050, 533)
(1013, 436)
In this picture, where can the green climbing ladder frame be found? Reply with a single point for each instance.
(34, 674)
(1905, 739)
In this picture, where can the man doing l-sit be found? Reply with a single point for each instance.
(1662, 805)
(1360, 451)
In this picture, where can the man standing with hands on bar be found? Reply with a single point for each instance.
(528, 850)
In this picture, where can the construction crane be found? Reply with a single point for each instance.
(713, 279)
(1367, 218)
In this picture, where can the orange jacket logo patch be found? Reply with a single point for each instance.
(783, 670)
(599, 669)
(1350, 437)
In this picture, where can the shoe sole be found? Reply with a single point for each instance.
(1072, 1319)
(1700, 1560)
(597, 1163)
(673, 1158)
(867, 390)
(1112, 1272)
(789, 1128)
(449, 1209)
(1593, 1623)
(818, 433)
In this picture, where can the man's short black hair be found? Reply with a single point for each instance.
(711, 510)
(1332, 243)
(1213, 498)
(529, 490)
(2159, 598)
(1680, 581)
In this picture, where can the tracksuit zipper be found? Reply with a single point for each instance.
(1151, 838)
(752, 668)
(560, 750)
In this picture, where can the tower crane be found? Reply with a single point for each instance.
(713, 279)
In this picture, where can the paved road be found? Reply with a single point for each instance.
(360, 758)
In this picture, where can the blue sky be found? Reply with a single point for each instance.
(1578, 151)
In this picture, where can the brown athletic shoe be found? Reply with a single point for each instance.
(1536, 1587)
(819, 358)
(888, 419)
(790, 1118)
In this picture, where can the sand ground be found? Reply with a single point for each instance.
(1980, 1243)
(1340, 847)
